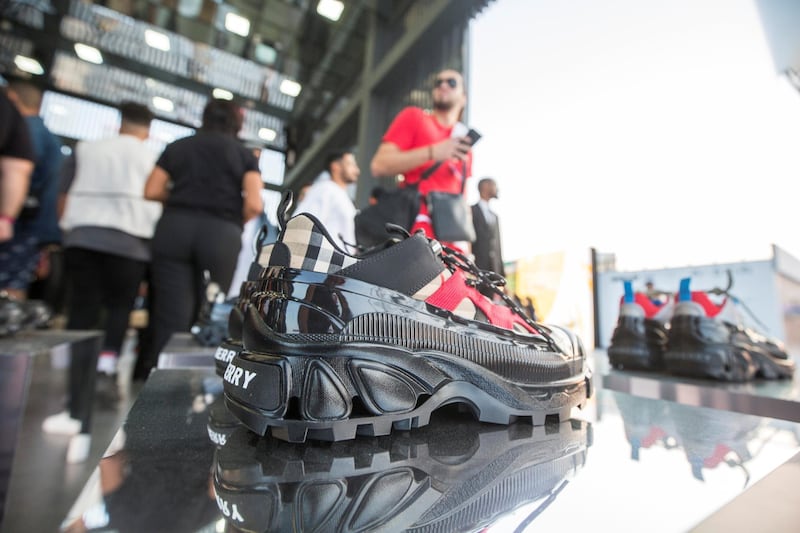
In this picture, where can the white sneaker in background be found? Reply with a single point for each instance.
(61, 424)
(78, 450)
(107, 363)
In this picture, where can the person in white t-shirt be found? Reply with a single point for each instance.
(329, 201)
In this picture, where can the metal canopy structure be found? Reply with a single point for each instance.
(353, 74)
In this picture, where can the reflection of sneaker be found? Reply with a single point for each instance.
(640, 338)
(711, 438)
(221, 422)
(453, 475)
(647, 423)
(61, 424)
(709, 340)
(338, 345)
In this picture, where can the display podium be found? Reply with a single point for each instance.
(183, 351)
(181, 462)
(770, 398)
(17, 355)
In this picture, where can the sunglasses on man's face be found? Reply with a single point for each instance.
(452, 82)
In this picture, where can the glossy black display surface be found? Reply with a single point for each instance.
(181, 463)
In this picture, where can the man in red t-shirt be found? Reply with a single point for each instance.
(417, 139)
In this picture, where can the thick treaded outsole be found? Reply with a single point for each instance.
(393, 397)
(726, 363)
(723, 363)
(226, 351)
(635, 356)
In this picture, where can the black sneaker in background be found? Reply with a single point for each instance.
(337, 346)
(711, 340)
(640, 337)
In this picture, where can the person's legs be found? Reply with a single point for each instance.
(83, 270)
(217, 244)
(120, 286)
(172, 289)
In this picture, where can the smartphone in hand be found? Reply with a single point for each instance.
(474, 136)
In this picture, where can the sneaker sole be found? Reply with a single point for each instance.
(369, 390)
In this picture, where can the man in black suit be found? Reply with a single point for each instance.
(486, 247)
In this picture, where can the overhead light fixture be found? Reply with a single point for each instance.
(290, 88)
(29, 65)
(157, 40)
(163, 104)
(237, 24)
(330, 9)
(267, 134)
(222, 94)
(89, 53)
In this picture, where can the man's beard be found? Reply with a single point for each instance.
(442, 105)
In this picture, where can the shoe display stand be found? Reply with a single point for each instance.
(180, 462)
(17, 355)
(778, 398)
(184, 351)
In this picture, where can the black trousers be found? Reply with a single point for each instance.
(102, 289)
(185, 244)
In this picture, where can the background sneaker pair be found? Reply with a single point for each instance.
(692, 335)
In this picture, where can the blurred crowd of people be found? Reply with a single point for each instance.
(115, 223)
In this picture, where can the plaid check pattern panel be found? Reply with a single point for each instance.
(311, 249)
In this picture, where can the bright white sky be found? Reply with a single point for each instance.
(656, 130)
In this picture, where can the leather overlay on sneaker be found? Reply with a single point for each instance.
(330, 354)
(452, 475)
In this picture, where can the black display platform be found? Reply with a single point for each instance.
(16, 361)
(623, 463)
(772, 398)
(183, 351)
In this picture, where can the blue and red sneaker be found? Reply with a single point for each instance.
(640, 337)
(711, 340)
(337, 345)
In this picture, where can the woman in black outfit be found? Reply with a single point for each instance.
(210, 185)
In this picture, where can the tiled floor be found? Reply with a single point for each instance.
(43, 486)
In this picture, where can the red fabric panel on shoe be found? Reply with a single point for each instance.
(710, 307)
(650, 309)
(455, 289)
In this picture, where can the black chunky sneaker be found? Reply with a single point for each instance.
(710, 340)
(640, 337)
(231, 345)
(337, 346)
(454, 475)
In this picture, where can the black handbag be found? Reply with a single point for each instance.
(450, 215)
(397, 206)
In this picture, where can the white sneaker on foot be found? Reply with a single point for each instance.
(61, 424)
(78, 450)
(107, 363)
